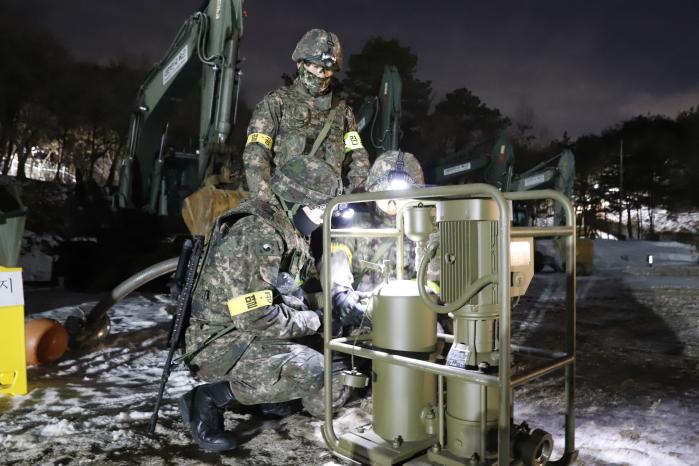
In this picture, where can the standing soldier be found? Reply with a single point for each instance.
(305, 119)
(249, 319)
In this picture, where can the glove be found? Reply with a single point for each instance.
(349, 306)
(336, 330)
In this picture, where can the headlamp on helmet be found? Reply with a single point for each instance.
(399, 178)
(394, 171)
(396, 179)
(342, 216)
(328, 61)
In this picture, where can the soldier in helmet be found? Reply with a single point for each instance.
(249, 318)
(305, 119)
(392, 170)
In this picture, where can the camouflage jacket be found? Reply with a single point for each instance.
(374, 250)
(255, 248)
(287, 122)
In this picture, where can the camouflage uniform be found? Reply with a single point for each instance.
(288, 120)
(256, 341)
(375, 250)
(292, 119)
(262, 355)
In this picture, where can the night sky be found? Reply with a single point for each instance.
(580, 66)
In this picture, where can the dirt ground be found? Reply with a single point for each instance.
(637, 399)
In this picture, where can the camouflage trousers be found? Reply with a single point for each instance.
(269, 371)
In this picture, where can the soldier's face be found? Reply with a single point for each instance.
(318, 70)
(315, 78)
(315, 214)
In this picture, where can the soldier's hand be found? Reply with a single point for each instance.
(336, 330)
(349, 306)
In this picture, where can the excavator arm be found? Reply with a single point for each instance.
(495, 168)
(204, 51)
(542, 174)
(384, 109)
(561, 178)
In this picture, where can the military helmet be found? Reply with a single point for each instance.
(306, 181)
(320, 47)
(394, 166)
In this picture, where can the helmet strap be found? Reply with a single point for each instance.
(400, 163)
(290, 208)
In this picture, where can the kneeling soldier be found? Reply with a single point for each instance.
(248, 312)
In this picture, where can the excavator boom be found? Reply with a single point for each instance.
(204, 51)
(384, 109)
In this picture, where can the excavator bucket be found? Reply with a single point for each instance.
(204, 206)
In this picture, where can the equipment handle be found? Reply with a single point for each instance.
(475, 287)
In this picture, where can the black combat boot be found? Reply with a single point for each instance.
(202, 409)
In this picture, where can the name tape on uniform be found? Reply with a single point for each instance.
(249, 302)
(352, 141)
(260, 138)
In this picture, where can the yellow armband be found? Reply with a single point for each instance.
(352, 141)
(261, 138)
(249, 302)
(335, 247)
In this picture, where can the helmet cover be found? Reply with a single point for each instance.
(320, 47)
(306, 181)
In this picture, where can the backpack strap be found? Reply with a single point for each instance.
(323, 132)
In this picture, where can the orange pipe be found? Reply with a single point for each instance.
(46, 341)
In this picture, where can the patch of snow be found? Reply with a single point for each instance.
(664, 221)
(56, 429)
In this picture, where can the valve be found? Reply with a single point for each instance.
(533, 448)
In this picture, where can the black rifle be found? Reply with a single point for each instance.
(192, 248)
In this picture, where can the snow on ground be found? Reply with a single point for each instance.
(94, 407)
(664, 221)
(637, 379)
(676, 222)
(637, 398)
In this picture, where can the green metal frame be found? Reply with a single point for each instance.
(504, 380)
